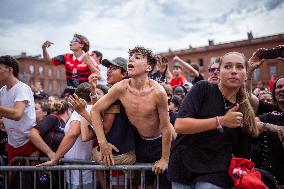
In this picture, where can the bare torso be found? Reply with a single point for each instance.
(141, 107)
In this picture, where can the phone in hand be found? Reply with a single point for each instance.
(272, 53)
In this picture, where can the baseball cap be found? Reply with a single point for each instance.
(118, 61)
(177, 65)
(179, 89)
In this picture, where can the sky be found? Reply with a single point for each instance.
(115, 26)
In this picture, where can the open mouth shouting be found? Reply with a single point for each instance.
(130, 66)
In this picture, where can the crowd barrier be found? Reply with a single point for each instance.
(50, 174)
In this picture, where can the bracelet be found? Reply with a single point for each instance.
(219, 126)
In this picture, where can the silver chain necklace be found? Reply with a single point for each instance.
(225, 104)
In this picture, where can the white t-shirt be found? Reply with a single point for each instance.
(80, 151)
(18, 130)
(103, 72)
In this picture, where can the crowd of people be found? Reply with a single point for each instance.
(137, 111)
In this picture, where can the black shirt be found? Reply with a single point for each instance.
(196, 79)
(265, 107)
(51, 129)
(121, 133)
(206, 156)
(275, 146)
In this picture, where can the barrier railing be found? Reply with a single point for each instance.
(40, 174)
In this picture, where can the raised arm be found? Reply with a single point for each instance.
(162, 106)
(92, 64)
(45, 53)
(96, 116)
(253, 63)
(186, 65)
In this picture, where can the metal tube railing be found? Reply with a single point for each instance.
(80, 166)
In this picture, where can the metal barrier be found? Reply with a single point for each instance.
(75, 165)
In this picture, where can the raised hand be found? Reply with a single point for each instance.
(233, 118)
(79, 104)
(47, 44)
(93, 79)
(254, 61)
(176, 58)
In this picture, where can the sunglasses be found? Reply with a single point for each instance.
(212, 70)
(75, 39)
(111, 68)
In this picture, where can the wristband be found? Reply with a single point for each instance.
(219, 126)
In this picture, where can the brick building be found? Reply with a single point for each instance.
(51, 77)
(205, 55)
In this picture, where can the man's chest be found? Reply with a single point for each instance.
(138, 105)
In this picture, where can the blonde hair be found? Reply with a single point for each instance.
(58, 107)
(242, 98)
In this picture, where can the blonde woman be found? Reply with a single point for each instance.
(214, 123)
(49, 132)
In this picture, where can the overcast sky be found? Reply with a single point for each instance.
(114, 26)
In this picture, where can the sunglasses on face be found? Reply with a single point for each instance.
(212, 70)
(111, 68)
(75, 39)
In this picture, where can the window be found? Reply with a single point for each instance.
(213, 59)
(256, 74)
(58, 73)
(49, 87)
(272, 70)
(41, 72)
(49, 72)
(200, 62)
(32, 69)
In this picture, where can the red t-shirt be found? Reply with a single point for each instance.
(177, 81)
(77, 71)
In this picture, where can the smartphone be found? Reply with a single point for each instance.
(272, 53)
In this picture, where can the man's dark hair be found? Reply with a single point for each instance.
(151, 60)
(99, 54)
(160, 58)
(104, 88)
(196, 67)
(83, 91)
(10, 61)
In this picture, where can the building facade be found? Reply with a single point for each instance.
(34, 69)
(205, 55)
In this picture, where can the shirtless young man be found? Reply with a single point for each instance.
(145, 102)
